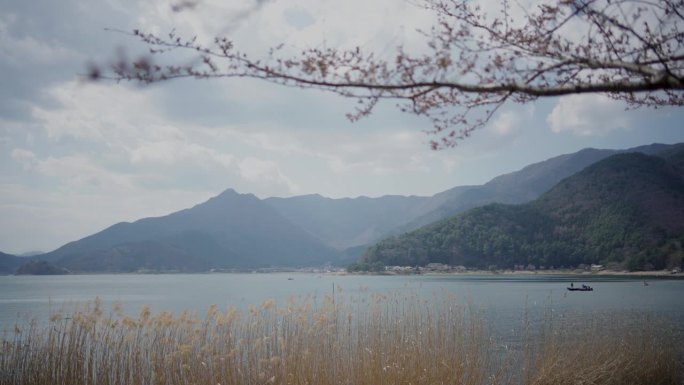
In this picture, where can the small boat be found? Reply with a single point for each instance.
(581, 288)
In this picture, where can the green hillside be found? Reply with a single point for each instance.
(628, 209)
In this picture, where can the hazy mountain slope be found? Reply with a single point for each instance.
(9, 263)
(230, 230)
(628, 208)
(136, 256)
(517, 187)
(352, 223)
(347, 222)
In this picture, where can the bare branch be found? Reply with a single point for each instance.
(631, 50)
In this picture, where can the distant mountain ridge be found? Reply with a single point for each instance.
(517, 187)
(354, 222)
(626, 209)
(235, 230)
(230, 230)
(348, 222)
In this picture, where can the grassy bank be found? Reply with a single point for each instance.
(386, 340)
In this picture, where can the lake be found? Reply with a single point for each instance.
(504, 299)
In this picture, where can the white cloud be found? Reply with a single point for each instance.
(125, 129)
(76, 172)
(266, 177)
(587, 115)
(509, 123)
(381, 152)
(255, 169)
(108, 114)
(170, 152)
(128, 124)
(208, 19)
(351, 150)
(26, 158)
(257, 25)
(450, 164)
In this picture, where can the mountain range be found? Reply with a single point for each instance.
(235, 230)
(231, 230)
(627, 210)
(355, 224)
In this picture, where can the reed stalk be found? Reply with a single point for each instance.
(383, 340)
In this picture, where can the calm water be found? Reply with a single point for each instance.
(504, 299)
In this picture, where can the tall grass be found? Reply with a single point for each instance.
(385, 340)
(616, 349)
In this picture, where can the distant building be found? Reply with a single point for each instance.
(399, 269)
(437, 267)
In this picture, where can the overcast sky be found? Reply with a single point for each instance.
(76, 157)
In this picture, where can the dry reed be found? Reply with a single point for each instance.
(391, 339)
(612, 350)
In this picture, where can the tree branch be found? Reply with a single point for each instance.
(477, 63)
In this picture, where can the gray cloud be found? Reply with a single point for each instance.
(77, 157)
(45, 42)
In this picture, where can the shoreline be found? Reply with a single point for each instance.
(662, 274)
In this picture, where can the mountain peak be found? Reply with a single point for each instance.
(230, 195)
(227, 231)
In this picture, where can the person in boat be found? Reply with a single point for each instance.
(572, 284)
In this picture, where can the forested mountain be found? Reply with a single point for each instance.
(674, 154)
(628, 208)
(229, 230)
